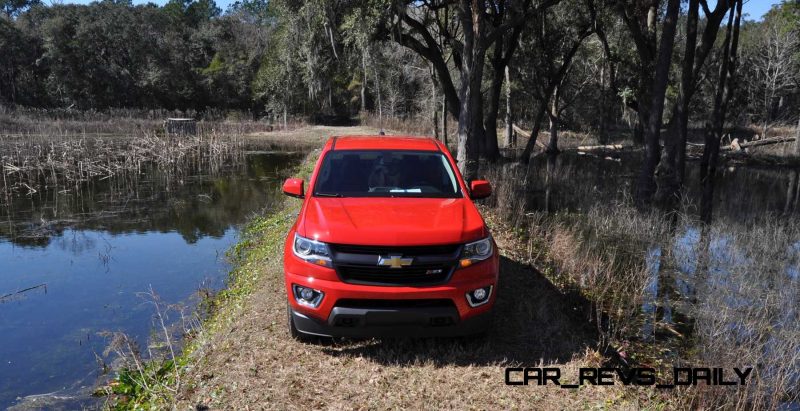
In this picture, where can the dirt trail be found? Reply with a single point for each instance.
(309, 136)
(250, 362)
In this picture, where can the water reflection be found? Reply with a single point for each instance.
(653, 265)
(573, 181)
(97, 251)
(731, 287)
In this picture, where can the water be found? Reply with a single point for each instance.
(91, 257)
(732, 287)
(575, 182)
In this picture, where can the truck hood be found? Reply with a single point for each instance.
(391, 221)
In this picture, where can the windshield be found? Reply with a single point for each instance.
(375, 173)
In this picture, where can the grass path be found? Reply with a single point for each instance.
(245, 359)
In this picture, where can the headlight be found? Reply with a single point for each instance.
(315, 252)
(477, 251)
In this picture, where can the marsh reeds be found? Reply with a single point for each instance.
(666, 289)
(64, 163)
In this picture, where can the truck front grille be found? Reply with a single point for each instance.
(430, 265)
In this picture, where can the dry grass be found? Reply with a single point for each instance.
(581, 306)
(249, 360)
(731, 288)
(305, 137)
(116, 123)
(747, 293)
(571, 294)
(409, 126)
(244, 358)
(30, 164)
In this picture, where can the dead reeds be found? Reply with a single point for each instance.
(666, 289)
(57, 162)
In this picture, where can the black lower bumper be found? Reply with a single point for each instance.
(392, 322)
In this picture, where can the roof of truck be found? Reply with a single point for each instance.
(383, 142)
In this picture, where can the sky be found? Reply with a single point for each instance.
(754, 8)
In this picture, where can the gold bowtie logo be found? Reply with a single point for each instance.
(394, 261)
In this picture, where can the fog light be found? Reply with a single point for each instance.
(479, 296)
(306, 296)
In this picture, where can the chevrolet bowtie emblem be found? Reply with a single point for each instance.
(394, 261)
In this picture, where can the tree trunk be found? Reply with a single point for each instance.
(549, 183)
(380, 103)
(647, 183)
(444, 119)
(724, 91)
(537, 123)
(601, 132)
(687, 91)
(791, 192)
(797, 140)
(436, 122)
(672, 167)
(492, 149)
(470, 93)
(510, 120)
(364, 82)
(434, 100)
(552, 145)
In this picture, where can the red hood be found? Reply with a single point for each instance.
(391, 221)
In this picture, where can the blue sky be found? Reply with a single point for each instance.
(755, 8)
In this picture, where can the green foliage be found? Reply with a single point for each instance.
(185, 55)
(302, 58)
(259, 56)
(12, 8)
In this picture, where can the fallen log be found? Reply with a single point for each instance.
(601, 147)
(736, 145)
(527, 134)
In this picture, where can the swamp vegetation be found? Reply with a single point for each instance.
(643, 289)
(96, 232)
(664, 234)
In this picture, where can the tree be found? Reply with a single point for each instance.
(672, 167)
(725, 88)
(550, 43)
(773, 64)
(12, 8)
(468, 36)
(655, 57)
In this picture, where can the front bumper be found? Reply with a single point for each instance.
(390, 314)
(392, 322)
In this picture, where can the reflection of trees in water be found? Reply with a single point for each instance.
(575, 182)
(194, 205)
(723, 293)
(76, 242)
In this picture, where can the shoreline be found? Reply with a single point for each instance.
(244, 356)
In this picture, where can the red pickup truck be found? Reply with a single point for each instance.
(388, 243)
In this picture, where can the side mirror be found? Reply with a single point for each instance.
(293, 187)
(480, 189)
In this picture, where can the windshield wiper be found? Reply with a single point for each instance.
(327, 194)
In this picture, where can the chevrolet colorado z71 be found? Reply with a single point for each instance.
(388, 243)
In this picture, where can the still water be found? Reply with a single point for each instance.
(73, 267)
(730, 289)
